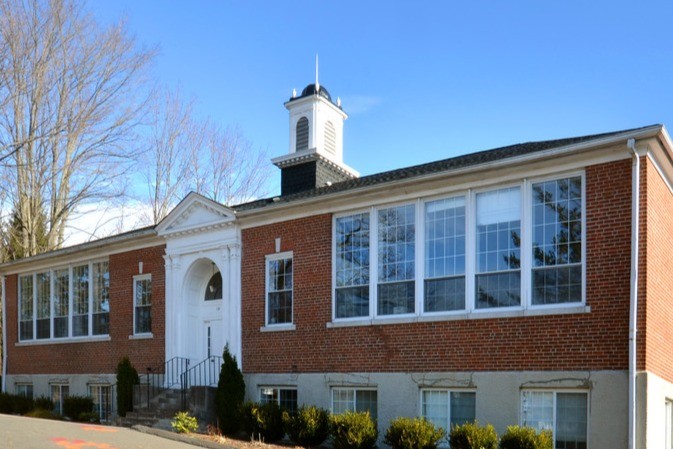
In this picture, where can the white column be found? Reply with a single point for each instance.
(169, 320)
(235, 299)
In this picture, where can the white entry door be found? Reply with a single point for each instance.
(214, 346)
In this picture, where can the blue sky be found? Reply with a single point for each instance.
(420, 80)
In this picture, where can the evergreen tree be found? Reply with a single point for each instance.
(230, 395)
(127, 377)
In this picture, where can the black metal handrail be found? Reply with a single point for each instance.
(157, 380)
(205, 373)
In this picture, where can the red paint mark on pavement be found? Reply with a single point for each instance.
(99, 429)
(80, 444)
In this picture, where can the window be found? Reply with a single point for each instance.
(214, 288)
(25, 390)
(557, 241)
(279, 289)
(102, 400)
(43, 305)
(515, 247)
(65, 302)
(563, 413)
(101, 299)
(354, 400)
(61, 302)
(669, 424)
(80, 300)
(446, 408)
(302, 134)
(396, 260)
(142, 298)
(352, 266)
(26, 307)
(58, 393)
(498, 236)
(444, 287)
(285, 397)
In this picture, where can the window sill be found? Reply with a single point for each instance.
(95, 339)
(475, 315)
(141, 336)
(278, 328)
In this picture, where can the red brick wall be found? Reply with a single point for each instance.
(658, 332)
(597, 340)
(99, 357)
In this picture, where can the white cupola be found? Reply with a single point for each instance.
(315, 158)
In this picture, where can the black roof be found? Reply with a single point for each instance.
(312, 90)
(454, 163)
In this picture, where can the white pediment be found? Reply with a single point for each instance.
(196, 213)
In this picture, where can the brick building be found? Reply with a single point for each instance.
(503, 286)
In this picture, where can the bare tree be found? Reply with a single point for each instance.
(69, 104)
(227, 168)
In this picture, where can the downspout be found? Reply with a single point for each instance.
(633, 316)
(4, 334)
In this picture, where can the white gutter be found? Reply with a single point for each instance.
(4, 335)
(633, 316)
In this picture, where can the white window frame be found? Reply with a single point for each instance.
(51, 270)
(104, 415)
(449, 392)
(555, 393)
(136, 279)
(277, 389)
(58, 406)
(355, 397)
(267, 259)
(24, 386)
(668, 425)
(525, 186)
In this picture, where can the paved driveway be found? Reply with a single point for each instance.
(17, 432)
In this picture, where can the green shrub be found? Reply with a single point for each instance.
(473, 436)
(263, 421)
(74, 406)
(127, 377)
(90, 417)
(43, 403)
(229, 395)
(413, 433)
(42, 413)
(184, 423)
(15, 404)
(353, 430)
(516, 437)
(309, 427)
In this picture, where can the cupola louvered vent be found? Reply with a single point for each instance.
(330, 138)
(302, 134)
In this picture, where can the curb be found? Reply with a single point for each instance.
(182, 438)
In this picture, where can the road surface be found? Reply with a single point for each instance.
(18, 432)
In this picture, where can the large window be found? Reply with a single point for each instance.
(446, 408)
(352, 266)
(563, 413)
(65, 302)
(354, 400)
(286, 398)
(514, 247)
(279, 289)
(396, 259)
(557, 241)
(58, 393)
(142, 299)
(101, 395)
(498, 236)
(444, 287)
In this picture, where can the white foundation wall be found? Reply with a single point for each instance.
(653, 392)
(78, 384)
(498, 395)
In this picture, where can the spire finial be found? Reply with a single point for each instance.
(317, 84)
